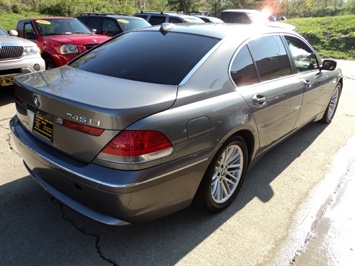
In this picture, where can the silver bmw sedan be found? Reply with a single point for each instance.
(157, 118)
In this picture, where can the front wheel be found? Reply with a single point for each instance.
(49, 63)
(333, 104)
(225, 175)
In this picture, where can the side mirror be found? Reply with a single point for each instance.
(94, 30)
(13, 33)
(328, 65)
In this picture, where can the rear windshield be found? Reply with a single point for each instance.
(147, 56)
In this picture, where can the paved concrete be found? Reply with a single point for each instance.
(331, 240)
(286, 209)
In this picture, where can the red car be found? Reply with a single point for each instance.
(60, 39)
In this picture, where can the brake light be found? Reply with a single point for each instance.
(134, 146)
(83, 128)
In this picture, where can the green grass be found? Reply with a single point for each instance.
(332, 37)
(8, 21)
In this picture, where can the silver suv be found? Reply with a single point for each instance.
(17, 56)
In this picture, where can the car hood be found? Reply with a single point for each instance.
(15, 41)
(78, 38)
(119, 102)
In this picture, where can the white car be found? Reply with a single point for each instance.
(251, 16)
(17, 56)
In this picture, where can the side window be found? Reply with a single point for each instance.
(303, 57)
(157, 20)
(243, 70)
(174, 20)
(110, 27)
(29, 31)
(270, 57)
(141, 16)
(95, 23)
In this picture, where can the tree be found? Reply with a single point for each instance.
(252, 4)
(157, 5)
(350, 6)
(215, 7)
(186, 6)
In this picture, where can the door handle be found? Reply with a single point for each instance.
(258, 99)
(306, 83)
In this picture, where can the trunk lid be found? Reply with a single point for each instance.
(46, 99)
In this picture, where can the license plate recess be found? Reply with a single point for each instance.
(6, 80)
(43, 126)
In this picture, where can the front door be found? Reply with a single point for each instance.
(315, 83)
(276, 97)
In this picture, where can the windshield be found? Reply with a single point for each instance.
(147, 56)
(2, 31)
(61, 26)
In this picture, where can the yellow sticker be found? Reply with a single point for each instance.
(46, 22)
(123, 20)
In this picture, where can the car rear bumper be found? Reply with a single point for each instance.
(107, 195)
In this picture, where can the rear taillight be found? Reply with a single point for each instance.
(135, 146)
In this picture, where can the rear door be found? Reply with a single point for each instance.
(262, 72)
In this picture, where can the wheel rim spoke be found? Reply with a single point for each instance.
(333, 103)
(227, 174)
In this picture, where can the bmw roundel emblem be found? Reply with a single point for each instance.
(36, 100)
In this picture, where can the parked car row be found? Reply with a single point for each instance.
(61, 39)
(111, 24)
(156, 118)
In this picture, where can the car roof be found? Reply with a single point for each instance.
(125, 17)
(218, 30)
(242, 10)
(111, 15)
(48, 18)
(212, 19)
(172, 14)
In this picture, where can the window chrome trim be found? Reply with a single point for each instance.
(197, 66)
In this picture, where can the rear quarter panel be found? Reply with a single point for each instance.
(208, 110)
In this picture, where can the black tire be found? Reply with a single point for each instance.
(224, 176)
(333, 105)
(49, 63)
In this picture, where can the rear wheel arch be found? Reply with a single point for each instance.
(249, 141)
(222, 172)
(248, 138)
